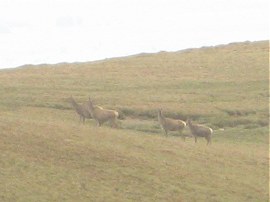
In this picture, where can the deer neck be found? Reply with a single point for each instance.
(91, 107)
(74, 103)
(190, 124)
(160, 117)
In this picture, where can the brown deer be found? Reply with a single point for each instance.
(81, 109)
(169, 124)
(102, 115)
(200, 131)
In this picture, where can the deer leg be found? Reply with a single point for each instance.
(195, 139)
(208, 140)
(114, 123)
(166, 133)
(182, 136)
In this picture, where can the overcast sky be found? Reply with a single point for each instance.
(52, 31)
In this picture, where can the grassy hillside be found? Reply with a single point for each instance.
(47, 155)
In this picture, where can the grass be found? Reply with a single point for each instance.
(47, 155)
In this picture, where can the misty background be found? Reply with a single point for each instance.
(53, 31)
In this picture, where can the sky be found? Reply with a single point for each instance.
(54, 31)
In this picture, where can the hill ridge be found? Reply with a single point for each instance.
(143, 54)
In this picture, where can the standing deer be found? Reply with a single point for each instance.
(102, 115)
(81, 110)
(200, 131)
(169, 124)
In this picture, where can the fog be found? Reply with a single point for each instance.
(52, 31)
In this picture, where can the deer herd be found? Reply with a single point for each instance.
(90, 111)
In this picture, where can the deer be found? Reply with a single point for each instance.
(102, 115)
(81, 109)
(198, 130)
(168, 124)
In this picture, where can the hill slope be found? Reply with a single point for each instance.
(47, 155)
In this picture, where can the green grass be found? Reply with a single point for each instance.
(47, 155)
